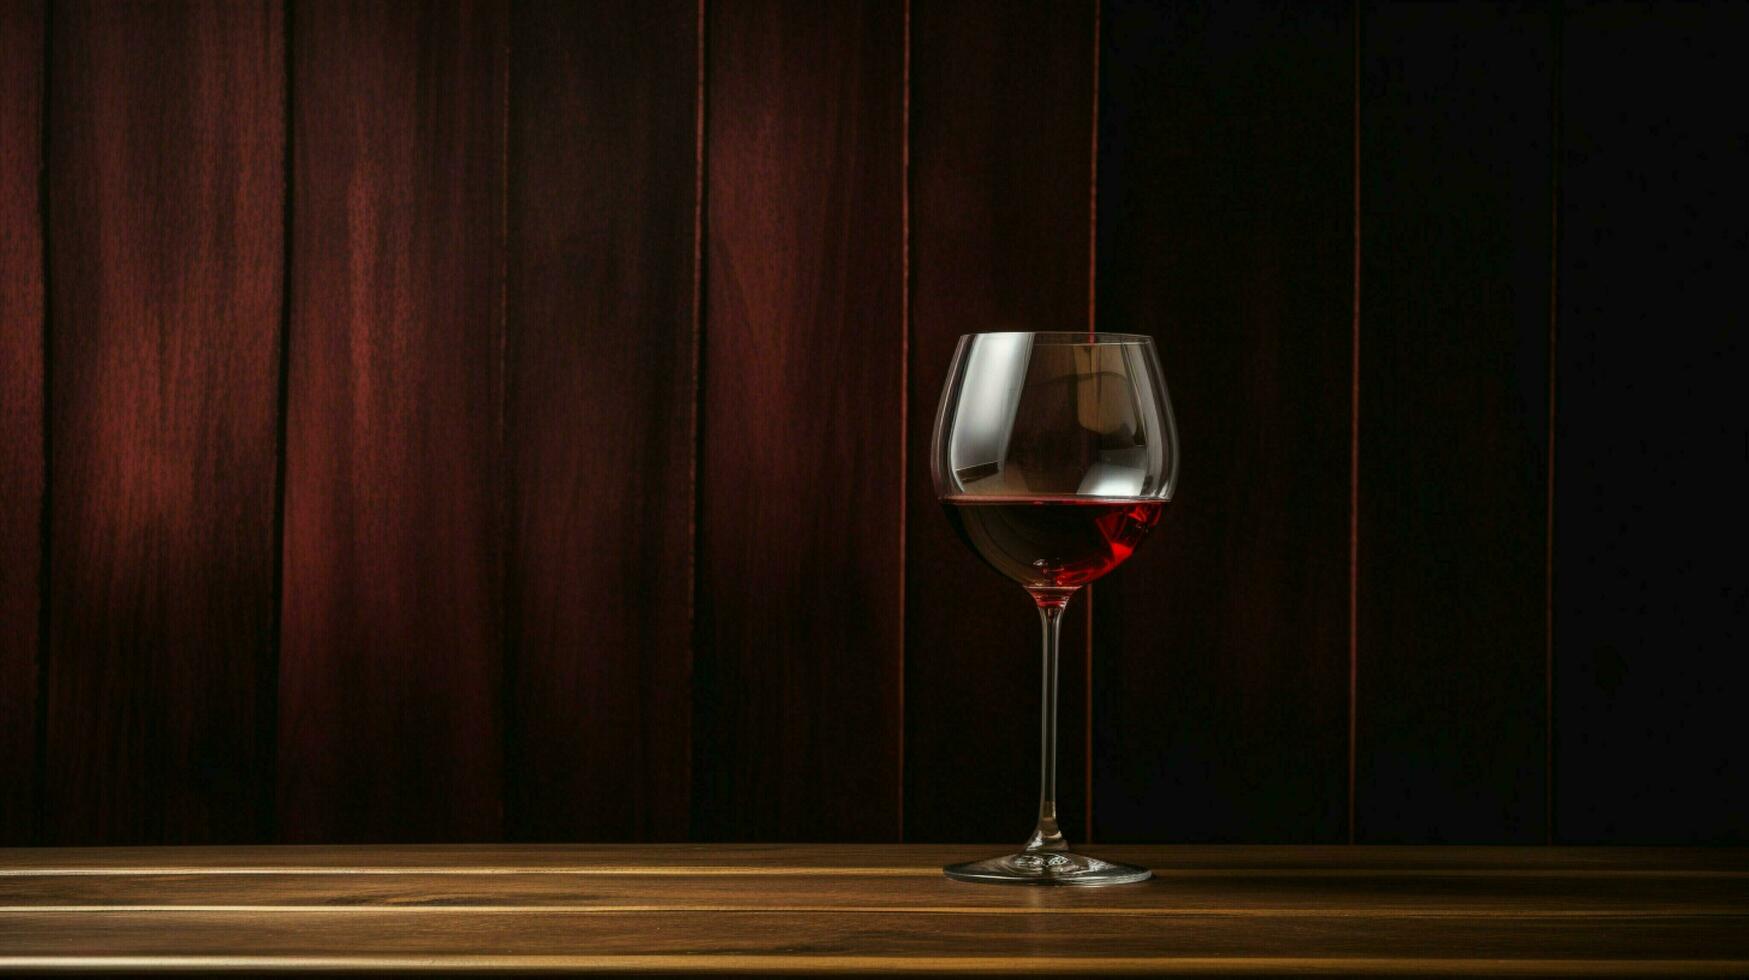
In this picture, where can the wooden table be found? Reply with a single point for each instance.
(872, 908)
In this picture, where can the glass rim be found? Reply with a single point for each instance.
(1073, 338)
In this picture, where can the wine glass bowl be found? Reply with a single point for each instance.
(1055, 414)
(1054, 457)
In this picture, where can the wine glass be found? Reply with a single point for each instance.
(1054, 455)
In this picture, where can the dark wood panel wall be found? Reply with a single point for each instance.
(394, 484)
(1001, 157)
(801, 508)
(1456, 183)
(604, 219)
(1651, 437)
(464, 421)
(164, 230)
(1226, 231)
(21, 409)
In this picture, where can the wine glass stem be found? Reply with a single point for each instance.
(1047, 837)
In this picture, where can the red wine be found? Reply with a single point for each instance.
(1052, 542)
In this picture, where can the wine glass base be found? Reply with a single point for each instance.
(1047, 868)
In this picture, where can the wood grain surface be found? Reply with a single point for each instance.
(873, 908)
(389, 695)
(1221, 661)
(801, 467)
(1001, 102)
(21, 408)
(602, 326)
(166, 199)
(1651, 443)
(1456, 182)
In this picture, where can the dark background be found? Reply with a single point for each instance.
(468, 422)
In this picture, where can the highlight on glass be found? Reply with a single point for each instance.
(1054, 457)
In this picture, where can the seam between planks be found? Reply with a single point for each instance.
(904, 382)
(1092, 328)
(695, 525)
(268, 719)
(1710, 912)
(809, 964)
(696, 406)
(1549, 465)
(1162, 874)
(1354, 454)
(508, 507)
(45, 524)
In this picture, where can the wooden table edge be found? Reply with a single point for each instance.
(1328, 966)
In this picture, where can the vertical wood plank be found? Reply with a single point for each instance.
(1001, 149)
(166, 200)
(798, 716)
(1456, 163)
(389, 721)
(602, 297)
(21, 409)
(1652, 469)
(1221, 649)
